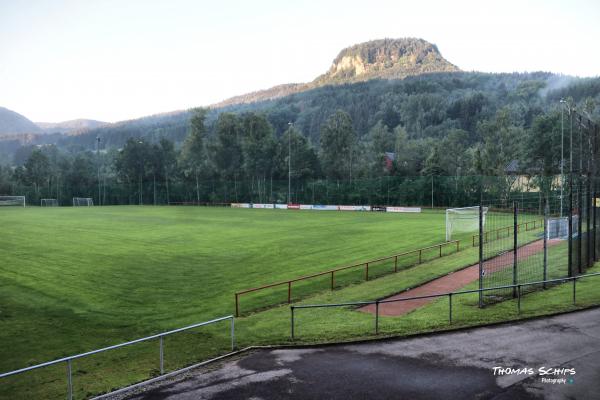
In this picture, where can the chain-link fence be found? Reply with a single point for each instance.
(424, 191)
(529, 237)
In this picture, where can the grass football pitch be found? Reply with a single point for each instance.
(74, 279)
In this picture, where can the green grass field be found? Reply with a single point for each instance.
(75, 279)
(78, 278)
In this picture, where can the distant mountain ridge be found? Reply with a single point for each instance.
(376, 59)
(74, 126)
(12, 123)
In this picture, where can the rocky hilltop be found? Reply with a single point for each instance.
(385, 59)
(377, 59)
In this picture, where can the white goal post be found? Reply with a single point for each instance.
(48, 203)
(464, 219)
(12, 201)
(82, 202)
(558, 228)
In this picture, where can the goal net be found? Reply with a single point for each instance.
(462, 220)
(12, 201)
(558, 228)
(82, 202)
(49, 203)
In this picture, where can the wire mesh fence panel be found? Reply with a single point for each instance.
(530, 250)
(513, 243)
(497, 251)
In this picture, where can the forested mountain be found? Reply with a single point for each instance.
(377, 59)
(358, 122)
(14, 123)
(425, 106)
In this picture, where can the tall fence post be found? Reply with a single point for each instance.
(519, 298)
(377, 317)
(161, 355)
(545, 242)
(570, 227)
(580, 225)
(69, 381)
(292, 322)
(594, 254)
(450, 307)
(480, 254)
(515, 244)
(232, 334)
(588, 220)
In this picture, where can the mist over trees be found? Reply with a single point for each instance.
(456, 124)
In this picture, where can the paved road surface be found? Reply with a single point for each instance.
(444, 366)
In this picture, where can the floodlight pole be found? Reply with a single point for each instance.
(291, 125)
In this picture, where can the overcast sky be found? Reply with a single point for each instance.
(122, 59)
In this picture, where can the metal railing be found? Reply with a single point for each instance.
(159, 336)
(489, 235)
(418, 253)
(574, 279)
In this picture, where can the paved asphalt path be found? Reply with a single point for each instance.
(455, 365)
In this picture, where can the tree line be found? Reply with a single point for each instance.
(432, 127)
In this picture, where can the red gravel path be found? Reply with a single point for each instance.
(452, 282)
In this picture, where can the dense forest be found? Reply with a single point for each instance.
(446, 124)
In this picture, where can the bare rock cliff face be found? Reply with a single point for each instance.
(386, 59)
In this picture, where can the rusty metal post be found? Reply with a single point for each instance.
(289, 292)
(332, 281)
(237, 306)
